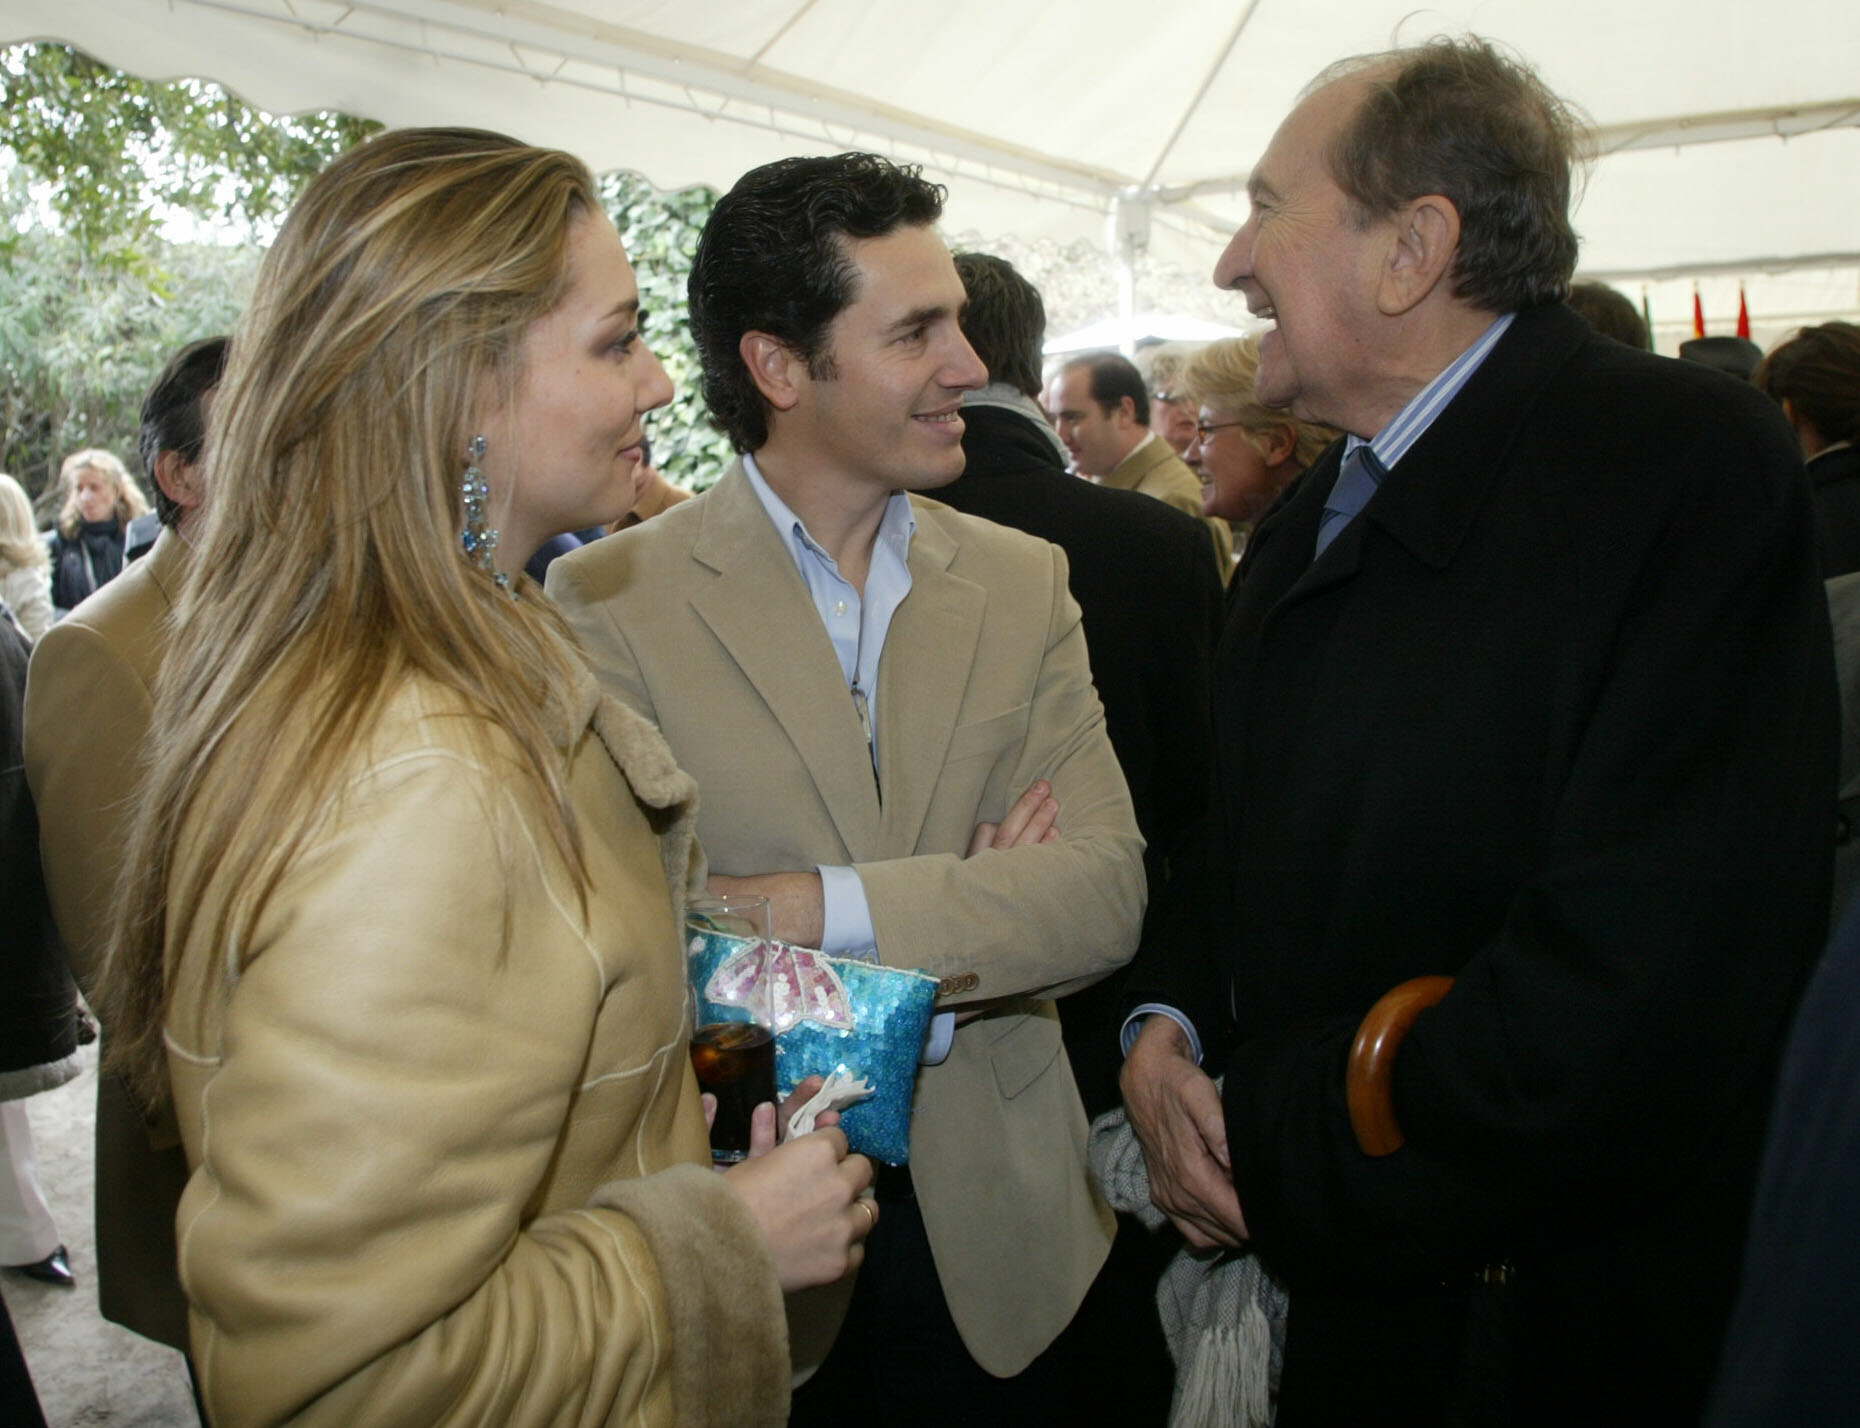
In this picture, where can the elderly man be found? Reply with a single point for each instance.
(1102, 413)
(858, 677)
(88, 705)
(1527, 682)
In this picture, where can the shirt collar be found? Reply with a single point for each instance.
(1392, 443)
(895, 528)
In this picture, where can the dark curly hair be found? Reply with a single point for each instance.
(773, 259)
(1456, 117)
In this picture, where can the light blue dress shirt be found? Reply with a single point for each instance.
(1388, 446)
(857, 625)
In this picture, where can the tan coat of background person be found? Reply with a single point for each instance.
(88, 708)
(87, 719)
(1153, 469)
(700, 621)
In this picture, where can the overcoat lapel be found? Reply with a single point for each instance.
(1278, 565)
(929, 653)
(1430, 500)
(1433, 496)
(758, 607)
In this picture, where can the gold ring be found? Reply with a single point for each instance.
(871, 1215)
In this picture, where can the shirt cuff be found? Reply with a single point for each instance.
(846, 931)
(1133, 1024)
(845, 918)
(937, 1039)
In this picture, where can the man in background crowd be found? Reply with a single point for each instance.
(1102, 413)
(1150, 606)
(1610, 313)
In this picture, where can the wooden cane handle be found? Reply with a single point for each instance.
(1369, 1081)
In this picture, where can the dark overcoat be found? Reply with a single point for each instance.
(1835, 476)
(38, 1003)
(1554, 715)
(1150, 603)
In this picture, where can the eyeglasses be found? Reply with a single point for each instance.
(1202, 428)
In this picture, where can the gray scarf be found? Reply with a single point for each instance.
(1000, 394)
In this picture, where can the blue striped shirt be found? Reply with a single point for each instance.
(1391, 443)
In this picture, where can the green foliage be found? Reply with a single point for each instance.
(94, 162)
(80, 343)
(114, 156)
(660, 231)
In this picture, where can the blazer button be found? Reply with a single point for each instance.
(955, 986)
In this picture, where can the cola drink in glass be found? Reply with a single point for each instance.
(735, 1062)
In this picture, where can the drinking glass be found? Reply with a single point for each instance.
(734, 1060)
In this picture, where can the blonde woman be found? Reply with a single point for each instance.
(1244, 452)
(87, 546)
(25, 573)
(399, 934)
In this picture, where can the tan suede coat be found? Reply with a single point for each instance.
(449, 1165)
(1154, 469)
(88, 704)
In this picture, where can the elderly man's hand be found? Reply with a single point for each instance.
(1175, 1109)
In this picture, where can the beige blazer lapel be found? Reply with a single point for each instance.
(922, 678)
(757, 605)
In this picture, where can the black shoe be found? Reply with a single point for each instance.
(53, 1269)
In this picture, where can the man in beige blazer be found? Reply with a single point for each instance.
(1101, 409)
(858, 677)
(87, 717)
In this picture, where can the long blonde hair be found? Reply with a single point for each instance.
(330, 570)
(130, 502)
(1222, 375)
(20, 546)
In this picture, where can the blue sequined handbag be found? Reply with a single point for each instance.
(828, 1014)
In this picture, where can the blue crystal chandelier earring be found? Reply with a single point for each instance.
(479, 540)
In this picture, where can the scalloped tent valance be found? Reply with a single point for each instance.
(1730, 132)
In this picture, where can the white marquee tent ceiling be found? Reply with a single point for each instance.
(1730, 131)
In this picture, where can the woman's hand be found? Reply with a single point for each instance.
(767, 1125)
(805, 1196)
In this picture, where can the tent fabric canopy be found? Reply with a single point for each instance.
(1730, 133)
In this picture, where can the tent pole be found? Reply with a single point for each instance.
(1128, 234)
(1127, 301)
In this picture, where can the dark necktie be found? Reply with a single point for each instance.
(1356, 483)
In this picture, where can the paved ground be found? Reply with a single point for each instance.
(88, 1371)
